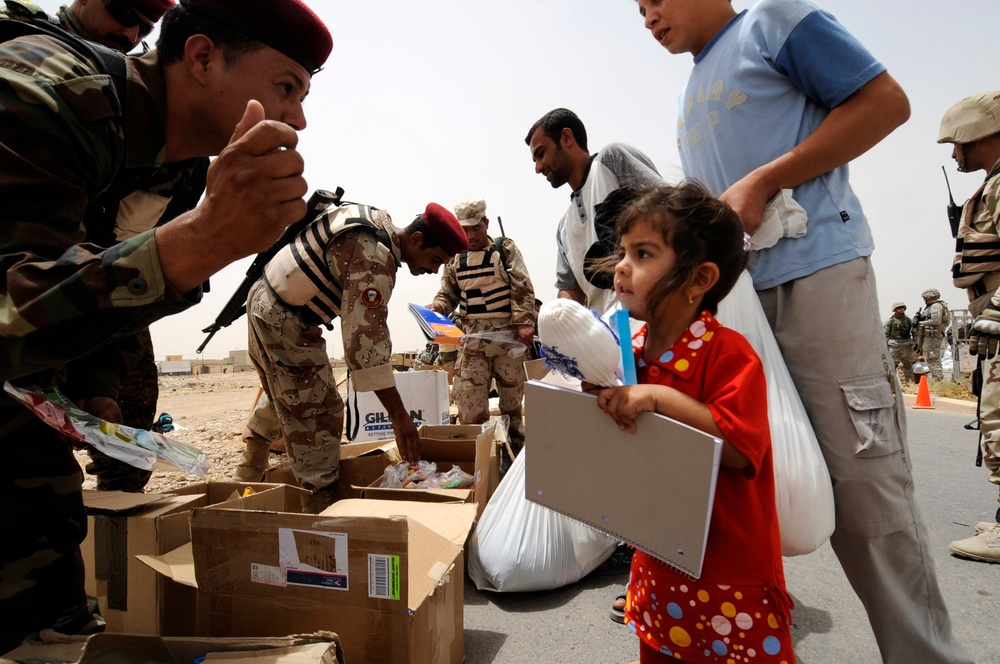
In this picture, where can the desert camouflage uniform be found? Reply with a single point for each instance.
(494, 302)
(287, 349)
(932, 332)
(897, 334)
(981, 221)
(69, 287)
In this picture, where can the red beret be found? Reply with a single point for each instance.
(287, 26)
(151, 9)
(445, 229)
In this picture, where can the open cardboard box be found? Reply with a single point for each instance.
(387, 576)
(319, 648)
(120, 526)
(470, 447)
(360, 465)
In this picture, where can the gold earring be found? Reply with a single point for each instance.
(690, 300)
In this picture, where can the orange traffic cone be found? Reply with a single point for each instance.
(923, 394)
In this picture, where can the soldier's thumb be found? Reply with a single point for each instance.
(253, 114)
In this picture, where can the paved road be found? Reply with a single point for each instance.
(571, 625)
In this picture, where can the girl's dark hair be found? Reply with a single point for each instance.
(699, 228)
(180, 23)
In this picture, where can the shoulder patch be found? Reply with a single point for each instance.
(371, 297)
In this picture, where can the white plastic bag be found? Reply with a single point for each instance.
(802, 482)
(521, 546)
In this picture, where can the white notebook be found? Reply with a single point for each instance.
(653, 488)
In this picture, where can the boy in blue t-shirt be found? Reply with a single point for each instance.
(780, 99)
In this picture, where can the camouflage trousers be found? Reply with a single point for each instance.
(903, 356)
(989, 417)
(137, 399)
(260, 435)
(932, 354)
(291, 359)
(41, 568)
(480, 362)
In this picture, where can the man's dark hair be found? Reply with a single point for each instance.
(555, 121)
(180, 23)
(418, 224)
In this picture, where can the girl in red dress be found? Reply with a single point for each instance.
(680, 253)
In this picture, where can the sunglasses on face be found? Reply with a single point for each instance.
(123, 13)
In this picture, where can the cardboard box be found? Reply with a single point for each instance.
(470, 447)
(319, 648)
(424, 393)
(580, 462)
(360, 465)
(387, 576)
(120, 526)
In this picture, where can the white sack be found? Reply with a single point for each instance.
(521, 546)
(804, 492)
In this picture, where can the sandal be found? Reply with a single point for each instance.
(618, 614)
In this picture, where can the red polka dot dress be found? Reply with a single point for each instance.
(738, 611)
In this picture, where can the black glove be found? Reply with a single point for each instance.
(985, 332)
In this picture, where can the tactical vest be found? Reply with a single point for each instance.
(299, 273)
(483, 282)
(976, 253)
(899, 328)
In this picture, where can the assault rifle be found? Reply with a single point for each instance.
(319, 202)
(954, 210)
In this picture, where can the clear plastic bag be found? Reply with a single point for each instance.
(424, 475)
(143, 449)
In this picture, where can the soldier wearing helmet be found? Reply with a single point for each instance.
(972, 126)
(897, 335)
(931, 330)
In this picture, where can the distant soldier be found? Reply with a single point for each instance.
(897, 334)
(935, 321)
(490, 285)
(342, 264)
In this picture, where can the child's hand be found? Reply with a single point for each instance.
(623, 404)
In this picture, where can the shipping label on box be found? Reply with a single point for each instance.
(424, 394)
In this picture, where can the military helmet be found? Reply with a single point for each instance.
(930, 292)
(897, 305)
(971, 119)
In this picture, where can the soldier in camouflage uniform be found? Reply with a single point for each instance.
(897, 334)
(119, 24)
(932, 328)
(343, 264)
(973, 127)
(140, 388)
(84, 178)
(490, 285)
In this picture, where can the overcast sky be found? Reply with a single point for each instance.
(430, 101)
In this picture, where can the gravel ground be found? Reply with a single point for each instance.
(210, 412)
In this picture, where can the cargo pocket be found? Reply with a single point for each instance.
(871, 404)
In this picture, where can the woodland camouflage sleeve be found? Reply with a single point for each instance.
(60, 144)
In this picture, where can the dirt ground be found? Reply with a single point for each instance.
(210, 412)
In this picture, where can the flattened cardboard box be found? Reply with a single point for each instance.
(120, 526)
(319, 648)
(387, 576)
(470, 447)
(581, 461)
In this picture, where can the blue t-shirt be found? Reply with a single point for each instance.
(762, 85)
